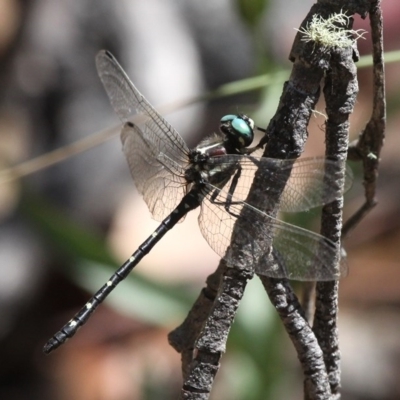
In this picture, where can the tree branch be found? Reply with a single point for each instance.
(202, 337)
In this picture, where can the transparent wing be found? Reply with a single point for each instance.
(300, 254)
(156, 153)
(158, 178)
(273, 247)
(128, 101)
(312, 181)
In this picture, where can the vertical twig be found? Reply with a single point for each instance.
(340, 93)
(368, 146)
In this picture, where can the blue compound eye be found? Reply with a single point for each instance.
(242, 127)
(243, 130)
(238, 129)
(227, 118)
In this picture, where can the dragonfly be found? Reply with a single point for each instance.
(216, 176)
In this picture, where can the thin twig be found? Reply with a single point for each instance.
(368, 146)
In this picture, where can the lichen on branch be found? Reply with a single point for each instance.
(330, 32)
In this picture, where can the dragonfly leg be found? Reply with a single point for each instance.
(228, 203)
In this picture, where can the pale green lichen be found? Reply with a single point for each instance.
(330, 32)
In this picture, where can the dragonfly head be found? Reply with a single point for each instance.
(238, 129)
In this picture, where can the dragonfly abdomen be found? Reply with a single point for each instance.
(189, 202)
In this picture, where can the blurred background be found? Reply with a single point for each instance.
(65, 228)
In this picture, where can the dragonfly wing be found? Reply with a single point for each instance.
(301, 255)
(313, 182)
(272, 247)
(158, 178)
(128, 101)
(307, 182)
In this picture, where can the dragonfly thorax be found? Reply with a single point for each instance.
(238, 130)
(212, 146)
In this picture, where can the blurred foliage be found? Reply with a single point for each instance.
(252, 11)
(89, 263)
